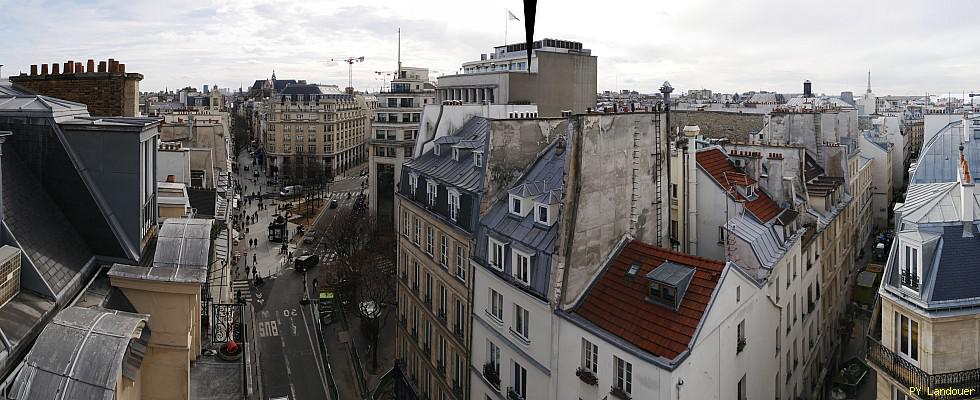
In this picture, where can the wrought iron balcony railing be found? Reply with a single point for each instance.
(931, 386)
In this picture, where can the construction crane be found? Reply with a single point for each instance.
(350, 68)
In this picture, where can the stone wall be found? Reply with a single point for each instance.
(719, 124)
(107, 91)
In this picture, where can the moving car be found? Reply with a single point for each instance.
(305, 262)
(309, 236)
(333, 203)
(290, 191)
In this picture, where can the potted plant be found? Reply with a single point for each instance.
(587, 376)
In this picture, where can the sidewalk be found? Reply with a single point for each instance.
(855, 346)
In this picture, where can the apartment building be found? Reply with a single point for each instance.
(395, 127)
(923, 343)
(315, 129)
(881, 152)
(561, 75)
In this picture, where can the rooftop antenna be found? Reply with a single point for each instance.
(399, 73)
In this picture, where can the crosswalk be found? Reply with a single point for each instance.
(244, 286)
(343, 195)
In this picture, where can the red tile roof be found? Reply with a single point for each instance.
(619, 306)
(721, 168)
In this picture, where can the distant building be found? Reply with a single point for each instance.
(108, 92)
(267, 88)
(561, 76)
(395, 127)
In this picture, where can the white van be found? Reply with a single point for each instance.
(290, 191)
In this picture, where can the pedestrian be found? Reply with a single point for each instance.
(254, 262)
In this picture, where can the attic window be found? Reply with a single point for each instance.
(631, 273)
(516, 205)
(455, 154)
(477, 159)
(413, 182)
(437, 148)
(431, 191)
(668, 283)
(541, 214)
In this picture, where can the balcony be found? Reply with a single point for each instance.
(619, 393)
(587, 376)
(910, 281)
(909, 375)
(441, 368)
(492, 375)
(459, 333)
(428, 301)
(513, 395)
(442, 316)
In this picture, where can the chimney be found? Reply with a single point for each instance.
(68, 67)
(33, 69)
(102, 66)
(691, 228)
(121, 68)
(44, 69)
(112, 65)
(807, 90)
(966, 195)
(78, 68)
(91, 66)
(967, 133)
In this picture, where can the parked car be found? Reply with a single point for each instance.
(308, 237)
(333, 203)
(290, 191)
(305, 262)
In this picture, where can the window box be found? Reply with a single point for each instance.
(512, 395)
(619, 393)
(587, 376)
(741, 344)
(491, 374)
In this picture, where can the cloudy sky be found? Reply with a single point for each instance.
(911, 47)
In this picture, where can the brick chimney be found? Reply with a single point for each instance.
(44, 69)
(91, 66)
(33, 69)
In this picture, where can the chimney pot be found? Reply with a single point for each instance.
(102, 66)
(121, 68)
(91, 66)
(78, 68)
(44, 69)
(68, 66)
(33, 69)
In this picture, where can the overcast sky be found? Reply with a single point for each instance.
(911, 47)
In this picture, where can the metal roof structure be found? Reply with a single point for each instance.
(939, 160)
(672, 274)
(81, 354)
(766, 244)
(182, 252)
(461, 173)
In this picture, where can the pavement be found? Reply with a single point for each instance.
(856, 343)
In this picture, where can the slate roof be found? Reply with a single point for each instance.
(300, 89)
(548, 170)
(182, 252)
(766, 244)
(39, 225)
(939, 160)
(80, 355)
(720, 167)
(462, 173)
(619, 306)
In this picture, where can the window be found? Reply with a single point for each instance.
(428, 287)
(900, 393)
(453, 204)
(405, 223)
(521, 320)
(542, 214)
(493, 355)
(778, 337)
(741, 388)
(777, 288)
(461, 263)
(740, 336)
(429, 239)
(673, 190)
(907, 337)
(522, 267)
(418, 230)
(413, 182)
(415, 266)
(455, 154)
(721, 234)
(778, 386)
(432, 189)
(436, 149)
(624, 375)
(496, 303)
(444, 251)
(496, 254)
(460, 318)
(459, 368)
(515, 205)
(477, 159)
(590, 356)
(520, 380)
(911, 271)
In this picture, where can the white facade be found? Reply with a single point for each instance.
(713, 368)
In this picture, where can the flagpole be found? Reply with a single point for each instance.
(506, 22)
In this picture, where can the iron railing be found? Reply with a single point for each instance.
(930, 386)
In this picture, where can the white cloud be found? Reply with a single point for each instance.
(911, 47)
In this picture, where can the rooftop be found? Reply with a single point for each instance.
(462, 173)
(720, 167)
(619, 306)
(182, 252)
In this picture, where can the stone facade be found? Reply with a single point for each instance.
(108, 91)
(718, 124)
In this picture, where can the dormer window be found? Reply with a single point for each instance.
(436, 149)
(477, 159)
(516, 205)
(911, 268)
(413, 182)
(521, 267)
(453, 204)
(496, 254)
(455, 154)
(541, 214)
(431, 191)
(668, 283)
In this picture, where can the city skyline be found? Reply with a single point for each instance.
(719, 46)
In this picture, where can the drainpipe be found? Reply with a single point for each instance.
(3, 137)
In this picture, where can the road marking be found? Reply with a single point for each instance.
(285, 359)
(268, 328)
(316, 352)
